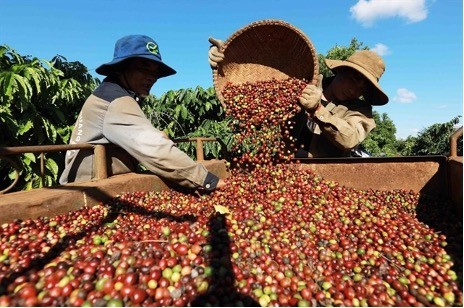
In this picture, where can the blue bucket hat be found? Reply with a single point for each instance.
(136, 46)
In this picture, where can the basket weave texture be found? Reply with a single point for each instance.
(265, 50)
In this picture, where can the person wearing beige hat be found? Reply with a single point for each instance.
(338, 111)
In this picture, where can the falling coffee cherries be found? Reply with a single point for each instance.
(262, 113)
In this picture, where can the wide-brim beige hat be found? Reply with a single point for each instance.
(371, 66)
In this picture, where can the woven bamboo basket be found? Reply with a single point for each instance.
(265, 50)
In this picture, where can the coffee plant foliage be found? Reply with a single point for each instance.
(339, 53)
(435, 140)
(187, 113)
(381, 141)
(39, 102)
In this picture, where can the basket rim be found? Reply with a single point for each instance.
(264, 22)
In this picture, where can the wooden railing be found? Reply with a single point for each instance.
(100, 171)
(454, 142)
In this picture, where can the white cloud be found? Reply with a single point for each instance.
(369, 11)
(381, 49)
(404, 96)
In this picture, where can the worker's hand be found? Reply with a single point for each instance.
(310, 98)
(215, 55)
(219, 186)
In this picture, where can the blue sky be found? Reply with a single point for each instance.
(421, 41)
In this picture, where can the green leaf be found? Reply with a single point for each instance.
(32, 74)
(24, 127)
(6, 83)
(9, 124)
(208, 106)
(184, 112)
(29, 157)
(23, 86)
(64, 133)
(177, 111)
(28, 186)
(36, 182)
(221, 209)
(49, 129)
(3, 50)
(52, 166)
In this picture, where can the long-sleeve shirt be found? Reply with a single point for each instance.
(336, 128)
(111, 115)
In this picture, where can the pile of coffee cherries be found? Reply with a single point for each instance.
(276, 236)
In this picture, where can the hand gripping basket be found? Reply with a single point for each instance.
(265, 50)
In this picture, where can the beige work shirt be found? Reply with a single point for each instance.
(338, 128)
(111, 115)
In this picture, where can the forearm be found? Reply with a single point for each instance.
(126, 126)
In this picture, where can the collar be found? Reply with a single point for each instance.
(131, 93)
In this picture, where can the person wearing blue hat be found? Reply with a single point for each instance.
(112, 115)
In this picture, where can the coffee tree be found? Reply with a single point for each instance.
(381, 141)
(34, 94)
(188, 113)
(432, 140)
(339, 53)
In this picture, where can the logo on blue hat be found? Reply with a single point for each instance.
(153, 48)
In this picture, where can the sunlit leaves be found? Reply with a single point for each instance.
(53, 167)
(381, 141)
(191, 113)
(24, 126)
(435, 139)
(338, 53)
(29, 158)
(50, 130)
(9, 125)
(39, 102)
